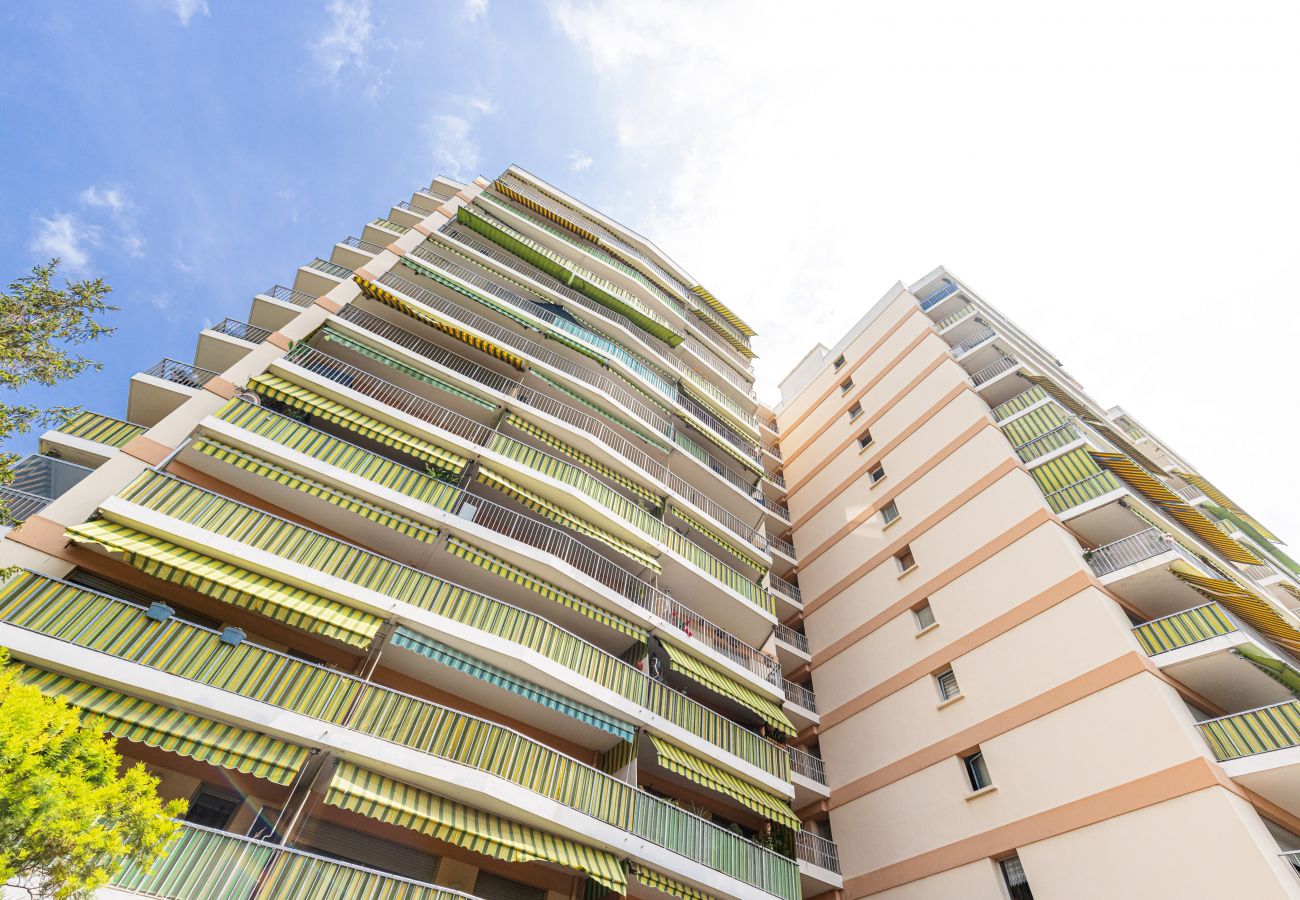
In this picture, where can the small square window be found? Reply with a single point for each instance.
(854, 411)
(845, 385)
(865, 439)
(947, 683)
(839, 361)
(905, 559)
(1013, 875)
(877, 472)
(977, 771)
(924, 616)
(890, 512)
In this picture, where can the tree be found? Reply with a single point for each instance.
(68, 817)
(39, 326)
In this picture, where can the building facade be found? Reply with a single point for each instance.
(457, 568)
(471, 565)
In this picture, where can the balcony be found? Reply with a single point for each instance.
(932, 300)
(1062, 438)
(996, 381)
(277, 306)
(226, 343)
(808, 776)
(18, 506)
(819, 864)
(801, 704)
(89, 438)
(793, 643)
(1260, 750)
(354, 252)
(790, 600)
(161, 389)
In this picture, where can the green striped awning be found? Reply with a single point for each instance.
(230, 583)
(498, 566)
(200, 864)
(1037, 423)
(277, 388)
(562, 516)
(577, 455)
(449, 656)
(717, 306)
(364, 508)
(671, 886)
(707, 775)
(378, 356)
(1184, 628)
(1222, 499)
(711, 678)
(101, 429)
(174, 730)
(1257, 611)
(722, 542)
(338, 453)
(391, 801)
(297, 876)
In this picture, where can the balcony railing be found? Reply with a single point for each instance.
(412, 208)
(180, 373)
(241, 330)
(782, 545)
(807, 765)
(1274, 727)
(1018, 403)
(1130, 550)
(786, 589)
(800, 695)
(387, 225)
(770, 447)
(18, 506)
(718, 429)
(975, 340)
(818, 851)
(795, 639)
(1191, 494)
(1259, 573)
(993, 370)
(950, 320)
(1045, 443)
(359, 244)
(289, 295)
(928, 303)
(1082, 491)
(721, 366)
(333, 269)
(1184, 628)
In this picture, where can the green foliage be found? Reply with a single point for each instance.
(39, 326)
(68, 817)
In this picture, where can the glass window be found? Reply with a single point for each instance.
(924, 616)
(905, 559)
(877, 473)
(947, 684)
(854, 411)
(845, 385)
(864, 439)
(890, 512)
(977, 771)
(839, 361)
(212, 808)
(1013, 874)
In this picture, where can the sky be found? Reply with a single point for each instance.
(1118, 178)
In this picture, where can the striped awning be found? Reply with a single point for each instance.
(452, 658)
(579, 456)
(101, 429)
(709, 677)
(505, 188)
(1257, 611)
(671, 886)
(722, 542)
(1063, 397)
(1287, 675)
(716, 305)
(173, 730)
(426, 315)
(378, 356)
(561, 516)
(1223, 500)
(418, 265)
(724, 445)
(338, 453)
(512, 573)
(605, 414)
(1195, 521)
(725, 333)
(307, 400)
(230, 583)
(364, 508)
(391, 801)
(705, 774)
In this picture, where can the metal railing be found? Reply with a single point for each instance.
(721, 366)
(1261, 730)
(1190, 494)
(777, 509)
(241, 330)
(954, 318)
(782, 545)
(289, 295)
(180, 373)
(1130, 550)
(1182, 629)
(1019, 403)
(927, 303)
(770, 447)
(717, 429)
(807, 765)
(388, 225)
(993, 370)
(18, 506)
(787, 635)
(413, 209)
(366, 246)
(975, 340)
(1048, 441)
(817, 850)
(785, 588)
(800, 695)
(1259, 573)
(333, 269)
(1082, 491)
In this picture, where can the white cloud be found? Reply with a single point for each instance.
(117, 204)
(1096, 182)
(106, 198)
(578, 161)
(66, 237)
(473, 10)
(188, 9)
(455, 149)
(349, 41)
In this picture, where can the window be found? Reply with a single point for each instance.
(854, 411)
(924, 616)
(844, 387)
(212, 807)
(877, 472)
(864, 439)
(839, 361)
(890, 512)
(905, 559)
(1013, 874)
(947, 682)
(977, 771)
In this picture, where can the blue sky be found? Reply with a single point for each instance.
(1118, 178)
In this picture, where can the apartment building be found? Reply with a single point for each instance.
(457, 570)
(1051, 657)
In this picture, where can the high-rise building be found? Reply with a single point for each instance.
(469, 561)
(460, 563)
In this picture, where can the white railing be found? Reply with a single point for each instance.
(937, 297)
(241, 330)
(818, 851)
(787, 635)
(18, 506)
(786, 589)
(333, 269)
(807, 765)
(1048, 441)
(289, 295)
(180, 373)
(975, 340)
(1134, 549)
(993, 370)
(800, 695)
(359, 244)
(1191, 494)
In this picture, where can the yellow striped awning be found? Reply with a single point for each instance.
(711, 678)
(561, 516)
(379, 797)
(670, 886)
(307, 400)
(740, 346)
(1246, 604)
(498, 566)
(722, 542)
(101, 429)
(1196, 522)
(1089, 418)
(423, 314)
(717, 306)
(705, 774)
(545, 212)
(173, 730)
(1223, 500)
(584, 459)
(364, 508)
(229, 583)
